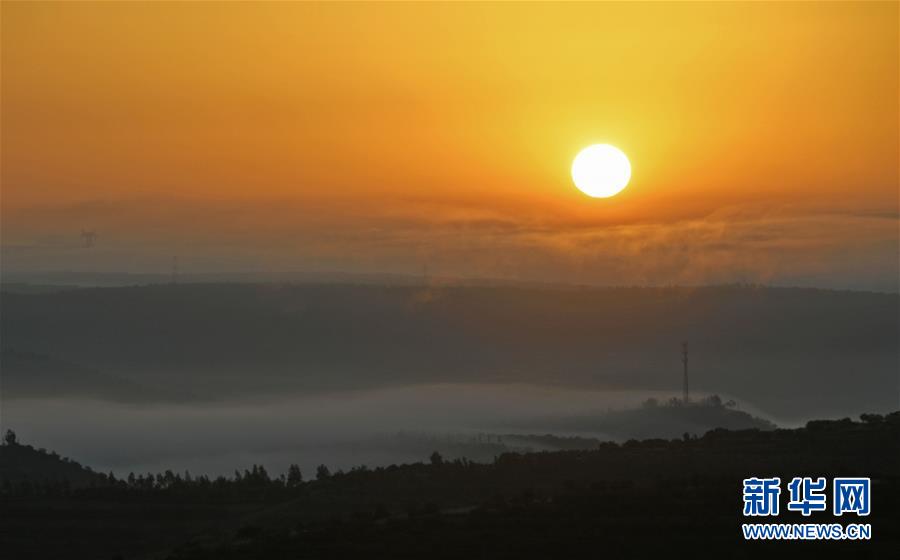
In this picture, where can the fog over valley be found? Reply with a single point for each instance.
(341, 430)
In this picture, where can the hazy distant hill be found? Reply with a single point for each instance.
(795, 352)
(33, 375)
(655, 420)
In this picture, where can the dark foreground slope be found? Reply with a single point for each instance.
(793, 353)
(24, 468)
(640, 499)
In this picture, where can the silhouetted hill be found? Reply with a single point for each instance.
(791, 352)
(523, 505)
(644, 499)
(25, 464)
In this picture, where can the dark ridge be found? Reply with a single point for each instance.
(532, 505)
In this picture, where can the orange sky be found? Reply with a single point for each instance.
(378, 137)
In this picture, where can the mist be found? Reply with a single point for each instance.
(341, 430)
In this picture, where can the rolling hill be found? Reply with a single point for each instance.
(790, 352)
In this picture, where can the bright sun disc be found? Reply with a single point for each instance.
(601, 170)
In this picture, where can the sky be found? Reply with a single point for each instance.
(386, 138)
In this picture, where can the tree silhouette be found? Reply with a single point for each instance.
(871, 418)
(322, 472)
(10, 437)
(294, 476)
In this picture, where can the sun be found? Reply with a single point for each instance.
(601, 171)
